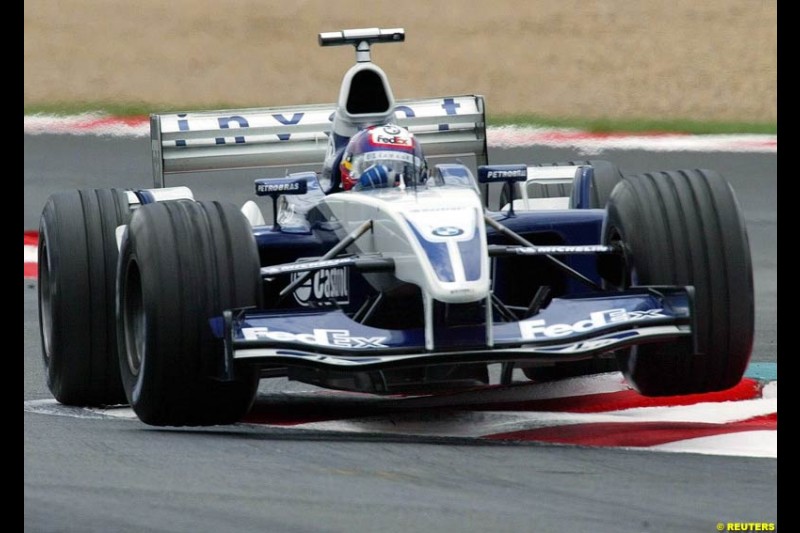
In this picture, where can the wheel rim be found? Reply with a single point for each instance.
(629, 275)
(626, 276)
(45, 298)
(133, 319)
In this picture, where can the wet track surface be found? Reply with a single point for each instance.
(105, 474)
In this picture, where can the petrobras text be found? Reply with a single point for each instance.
(503, 174)
(276, 186)
(490, 173)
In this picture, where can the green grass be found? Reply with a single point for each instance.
(595, 125)
(131, 109)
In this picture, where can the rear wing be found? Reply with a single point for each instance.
(292, 136)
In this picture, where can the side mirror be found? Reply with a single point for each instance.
(277, 187)
(507, 174)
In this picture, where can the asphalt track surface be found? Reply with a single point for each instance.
(83, 474)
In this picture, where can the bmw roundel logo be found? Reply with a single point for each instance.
(391, 129)
(447, 231)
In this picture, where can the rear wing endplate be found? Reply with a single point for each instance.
(292, 136)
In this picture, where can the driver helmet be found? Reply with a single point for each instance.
(383, 156)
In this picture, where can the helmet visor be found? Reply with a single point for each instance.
(398, 165)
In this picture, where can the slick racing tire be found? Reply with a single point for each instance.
(182, 263)
(685, 228)
(77, 265)
(606, 175)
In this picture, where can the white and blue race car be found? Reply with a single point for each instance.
(178, 307)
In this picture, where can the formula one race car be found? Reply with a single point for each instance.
(384, 270)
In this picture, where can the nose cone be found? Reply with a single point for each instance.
(452, 250)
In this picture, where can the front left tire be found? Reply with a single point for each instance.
(685, 228)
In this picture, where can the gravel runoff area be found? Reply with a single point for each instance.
(710, 60)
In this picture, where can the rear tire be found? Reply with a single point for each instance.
(606, 176)
(685, 228)
(183, 263)
(77, 267)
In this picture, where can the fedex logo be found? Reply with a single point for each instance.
(390, 135)
(396, 140)
(339, 338)
(539, 329)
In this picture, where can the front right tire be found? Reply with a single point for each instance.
(182, 264)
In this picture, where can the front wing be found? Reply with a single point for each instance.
(568, 329)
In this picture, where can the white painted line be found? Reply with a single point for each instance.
(738, 435)
(484, 423)
(743, 444)
(497, 137)
(52, 407)
(86, 124)
(589, 143)
(30, 254)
